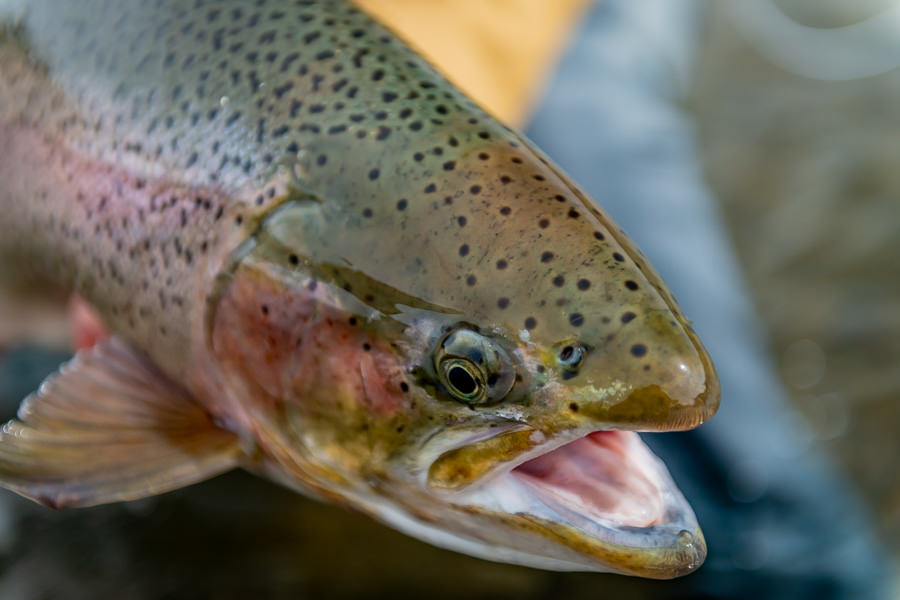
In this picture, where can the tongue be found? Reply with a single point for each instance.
(607, 476)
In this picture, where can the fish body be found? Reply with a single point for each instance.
(324, 263)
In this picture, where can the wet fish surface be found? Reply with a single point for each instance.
(323, 263)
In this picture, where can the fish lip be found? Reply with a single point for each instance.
(461, 435)
(671, 545)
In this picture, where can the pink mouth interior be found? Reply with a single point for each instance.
(606, 476)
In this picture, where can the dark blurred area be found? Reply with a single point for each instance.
(671, 117)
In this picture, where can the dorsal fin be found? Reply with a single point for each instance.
(109, 427)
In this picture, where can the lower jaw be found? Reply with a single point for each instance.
(606, 503)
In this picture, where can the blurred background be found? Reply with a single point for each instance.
(807, 173)
(765, 134)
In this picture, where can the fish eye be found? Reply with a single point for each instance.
(473, 368)
(571, 356)
(463, 380)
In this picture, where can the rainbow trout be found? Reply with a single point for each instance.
(321, 262)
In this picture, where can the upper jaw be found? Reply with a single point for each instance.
(601, 501)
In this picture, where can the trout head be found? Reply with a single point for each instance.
(484, 403)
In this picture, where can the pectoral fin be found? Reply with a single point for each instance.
(109, 427)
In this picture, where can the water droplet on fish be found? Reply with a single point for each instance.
(299, 172)
(685, 538)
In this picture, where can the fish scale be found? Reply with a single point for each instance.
(272, 86)
(164, 148)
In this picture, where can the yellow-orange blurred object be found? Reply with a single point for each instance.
(498, 51)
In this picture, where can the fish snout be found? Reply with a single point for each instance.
(653, 374)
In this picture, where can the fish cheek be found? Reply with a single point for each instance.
(256, 330)
(296, 356)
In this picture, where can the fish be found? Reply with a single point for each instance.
(321, 262)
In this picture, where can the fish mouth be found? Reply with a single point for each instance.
(606, 477)
(603, 501)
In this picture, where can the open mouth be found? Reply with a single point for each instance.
(606, 477)
(604, 494)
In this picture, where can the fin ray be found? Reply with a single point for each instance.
(108, 426)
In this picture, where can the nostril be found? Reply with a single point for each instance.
(571, 356)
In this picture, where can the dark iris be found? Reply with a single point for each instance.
(462, 381)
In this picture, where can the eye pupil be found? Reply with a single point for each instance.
(462, 380)
(566, 353)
